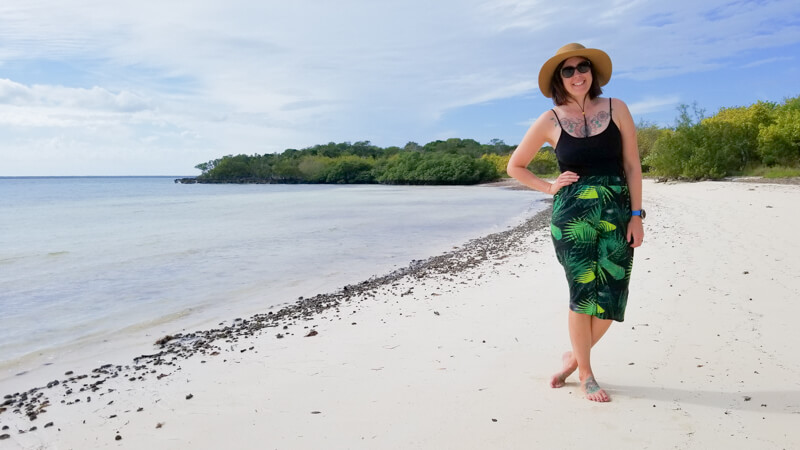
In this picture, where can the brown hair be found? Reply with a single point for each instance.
(560, 95)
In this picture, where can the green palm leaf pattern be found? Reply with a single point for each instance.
(602, 278)
(607, 226)
(628, 271)
(586, 277)
(558, 208)
(586, 193)
(589, 307)
(614, 247)
(556, 232)
(576, 265)
(580, 231)
(604, 193)
(588, 230)
(616, 271)
(558, 204)
(594, 214)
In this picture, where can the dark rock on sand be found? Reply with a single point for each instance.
(164, 339)
(174, 348)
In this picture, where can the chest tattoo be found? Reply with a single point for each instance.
(596, 124)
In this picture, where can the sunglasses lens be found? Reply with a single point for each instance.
(569, 71)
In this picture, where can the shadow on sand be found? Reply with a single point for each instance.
(786, 402)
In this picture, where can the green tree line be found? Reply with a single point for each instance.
(737, 140)
(452, 161)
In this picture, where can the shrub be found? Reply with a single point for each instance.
(721, 148)
(314, 169)
(545, 162)
(779, 143)
(436, 168)
(499, 162)
(646, 136)
(350, 169)
(668, 153)
(710, 149)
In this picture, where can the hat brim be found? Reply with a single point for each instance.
(600, 62)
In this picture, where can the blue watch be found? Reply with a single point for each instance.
(639, 212)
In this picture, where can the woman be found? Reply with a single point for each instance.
(597, 205)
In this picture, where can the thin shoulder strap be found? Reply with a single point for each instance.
(559, 120)
(609, 106)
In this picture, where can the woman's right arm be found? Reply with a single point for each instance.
(542, 131)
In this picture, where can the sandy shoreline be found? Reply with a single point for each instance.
(443, 359)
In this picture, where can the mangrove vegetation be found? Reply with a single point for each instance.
(761, 139)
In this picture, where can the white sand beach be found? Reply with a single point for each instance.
(706, 357)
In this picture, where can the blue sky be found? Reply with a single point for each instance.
(92, 87)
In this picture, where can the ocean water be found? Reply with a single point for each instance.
(84, 259)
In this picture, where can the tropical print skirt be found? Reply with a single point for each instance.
(589, 227)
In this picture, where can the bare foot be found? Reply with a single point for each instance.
(559, 379)
(593, 391)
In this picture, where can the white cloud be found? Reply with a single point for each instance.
(650, 104)
(246, 76)
(95, 98)
(761, 62)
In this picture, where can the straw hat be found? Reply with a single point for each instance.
(600, 61)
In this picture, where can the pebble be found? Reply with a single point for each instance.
(189, 396)
(180, 346)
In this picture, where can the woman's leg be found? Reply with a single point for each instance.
(585, 331)
(570, 364)
(580, 333)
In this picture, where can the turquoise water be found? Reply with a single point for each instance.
(84, 258)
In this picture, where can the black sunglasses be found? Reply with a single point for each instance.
(569, 71)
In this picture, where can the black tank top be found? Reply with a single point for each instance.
(600, 154)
